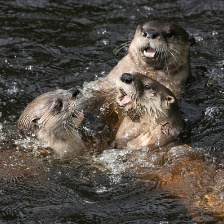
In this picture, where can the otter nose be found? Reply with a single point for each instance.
(152, 34)
(74, 91)
(126, 78)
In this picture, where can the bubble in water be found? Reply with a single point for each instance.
(30, 67)
(214, 33)
(198, 38)
(211, 111)
(221, 64)
(105, 41)
(101, 189)
(112, 159)
(13, 90)
(102, 32)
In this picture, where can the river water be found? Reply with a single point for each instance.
(60, 44)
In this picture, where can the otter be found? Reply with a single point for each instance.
(152, 117)
(54, 119)
(159, 50)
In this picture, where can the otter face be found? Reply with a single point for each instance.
(52, 112)
(156, 43)
(142, 95)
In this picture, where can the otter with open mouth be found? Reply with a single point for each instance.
(159, 50)
(152, 117)
(53, 118)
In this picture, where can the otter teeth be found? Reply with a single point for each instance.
(149, 52)
(124, 99)
(78, 116)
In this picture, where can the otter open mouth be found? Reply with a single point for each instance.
(123, 99)
(149, 52)
(78, 117)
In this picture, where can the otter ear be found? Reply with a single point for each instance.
(139, 28)
(170, 99)
(191, 40)
(34, 123)
(57, 105)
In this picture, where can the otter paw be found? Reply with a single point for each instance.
(141, 141)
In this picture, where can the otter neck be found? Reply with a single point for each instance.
(139, 64)
(150, 118)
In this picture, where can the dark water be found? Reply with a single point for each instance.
(49, 44)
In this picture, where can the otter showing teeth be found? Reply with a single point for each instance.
(123, 99)
(159, 50)
(152, 117)
(149, 52)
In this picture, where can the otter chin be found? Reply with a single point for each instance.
(159, 50)
(152, 117)
(52, 117)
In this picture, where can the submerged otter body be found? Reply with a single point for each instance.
(152, 116)
(52, 117)
(159, 50)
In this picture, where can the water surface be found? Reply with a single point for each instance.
(60, 44)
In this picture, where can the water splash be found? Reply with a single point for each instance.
(113, 159)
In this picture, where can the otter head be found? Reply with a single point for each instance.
(140, 96)
(159, 45)
(51, 112)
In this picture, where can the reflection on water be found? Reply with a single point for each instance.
(47, 45)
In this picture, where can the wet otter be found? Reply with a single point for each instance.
(159, 50)
(180, 170)
(152, 116)
(52, 117)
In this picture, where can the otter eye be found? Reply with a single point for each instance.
(148, 87)
(58, 104)
(170, 34)
(75, 92)
(144, 34)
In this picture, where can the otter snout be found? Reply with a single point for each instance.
(150, 33)
(74, 91)
(127, 78)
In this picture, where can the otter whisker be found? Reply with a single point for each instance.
(160, 53)
(70, 128)
(173, 55)
(181, 60)
(121, 46)
(165, 49)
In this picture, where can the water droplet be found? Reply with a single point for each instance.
(211, 111)
(199, 38)
(30, 67)
(105, 42)
(148, 8)
(13, 90)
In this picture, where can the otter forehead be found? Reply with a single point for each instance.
(137, 78)
(168, 30)
(156, 25)
(137, 84)
(66, 94)
(50, 105)
(143, 85)
(162, 26)
(143, 78)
